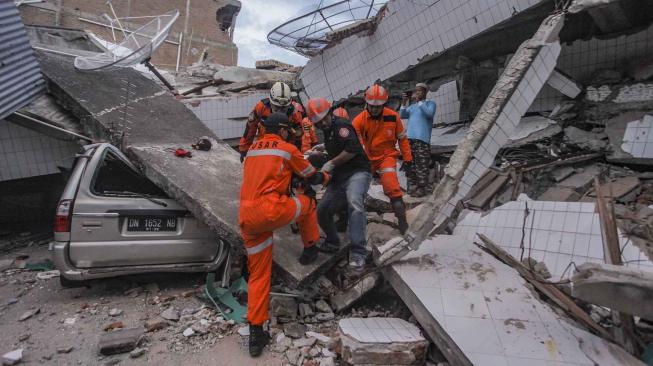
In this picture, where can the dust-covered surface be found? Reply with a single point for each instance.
(486, 309)
(77, 318)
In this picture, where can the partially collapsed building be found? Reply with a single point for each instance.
(542, 151)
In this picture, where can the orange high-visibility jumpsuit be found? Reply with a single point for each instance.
(266, 206)
(309, 138)
(379, 137)
(254, 128)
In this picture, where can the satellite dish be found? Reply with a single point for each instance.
(136, 47)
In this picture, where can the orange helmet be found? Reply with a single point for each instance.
(317, 109)
(376, 95)
(341, 112)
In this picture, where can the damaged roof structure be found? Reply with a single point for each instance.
(535, 101)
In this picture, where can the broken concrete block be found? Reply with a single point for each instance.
(153, 325)
(342, 300)
(294, 330)
(13, 357)
(304, 342)
(170, 314)
(363, 341)
(283, 306)
(28, 314)
(585, 139)
(305, 310)
(617, 287)
(561, 173)
(322, 306)
(559, 194)
(120, 341)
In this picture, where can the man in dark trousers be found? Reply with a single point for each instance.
(351, 177)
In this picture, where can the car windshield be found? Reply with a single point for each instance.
(114, 177)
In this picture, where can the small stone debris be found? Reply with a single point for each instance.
(115, 312)
(12, 300)
(342, 300)
(13, 357)
(293, 356)
(282, 343)
(46, 275)
(133, 292)
(305, 310)
(304, 342)
(28, 314)
(70, 321)
(283, 307)
(322, 306)
(63, 350)
(114, 326)
(170, 314)
(244, 330)
(188, 311)
(324, 317)
(24, 337)
(322, 339)
(138, 352)
(294, 330)
(120, 341)
(153, 325)
(328, 361)
(188, 332)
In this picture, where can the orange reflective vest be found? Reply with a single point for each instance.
(254, 128)
(379, 136)
(268, 168)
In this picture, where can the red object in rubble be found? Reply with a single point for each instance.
(183, 153)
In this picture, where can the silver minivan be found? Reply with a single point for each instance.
(111, 220)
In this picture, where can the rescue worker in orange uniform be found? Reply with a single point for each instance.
(380, 128)
(309, 138)
(279, 101)
(266, 206)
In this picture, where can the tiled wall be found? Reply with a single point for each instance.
(557, 233)
(226, 116)
(448, 105)
(519, 102)
(581, 59)
(25, 153)
(410, 31)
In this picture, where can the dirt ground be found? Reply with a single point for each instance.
(76, 317)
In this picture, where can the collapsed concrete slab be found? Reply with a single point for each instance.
(479, 311)
(631, 138)
(617, 287)
(133, 112)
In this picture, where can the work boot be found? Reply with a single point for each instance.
(399, 209)
(356, 264)
(258, 339)
(309, 255)
(327, 246)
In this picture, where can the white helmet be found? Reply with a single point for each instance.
(280, 94)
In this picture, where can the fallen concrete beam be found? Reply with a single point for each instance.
(133, 112)
(479, 311)
(617, 287)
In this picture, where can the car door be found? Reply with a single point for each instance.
(120, 218)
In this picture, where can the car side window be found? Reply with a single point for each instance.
(113, 176)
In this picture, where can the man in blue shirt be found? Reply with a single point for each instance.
(420, 122)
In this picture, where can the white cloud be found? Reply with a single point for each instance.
(255, 20)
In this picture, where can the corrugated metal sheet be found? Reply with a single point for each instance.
(20, 74)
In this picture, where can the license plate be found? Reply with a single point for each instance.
(151, 224)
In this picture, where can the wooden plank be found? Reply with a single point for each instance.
(484, 196)
(549, 290)
(624, 335)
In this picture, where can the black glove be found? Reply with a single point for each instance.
(242, 156)
(407, 167)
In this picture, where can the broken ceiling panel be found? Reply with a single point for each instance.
(480, 311)
(409, 31)
(225, 116)
(638, 138)
(556, 233)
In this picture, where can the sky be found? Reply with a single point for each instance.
(255, 20)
